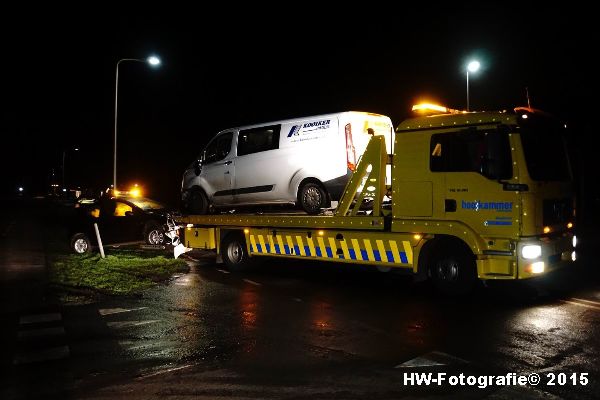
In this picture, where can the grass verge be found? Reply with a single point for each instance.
(122, 272)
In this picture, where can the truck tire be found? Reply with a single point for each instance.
(234, 252)
(154, 234)
(81, 244)
(312, 198)
(198, 203)
(453, 269)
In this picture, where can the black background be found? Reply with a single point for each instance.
(228, 65)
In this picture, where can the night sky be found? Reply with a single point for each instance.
(228, 66)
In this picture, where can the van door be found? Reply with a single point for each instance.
(258, 165)
(217, 169)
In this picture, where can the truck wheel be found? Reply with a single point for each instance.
(312, 198)
(234, 253)
(198, 203)
(154, 234)
(81, 244)
(453, 270)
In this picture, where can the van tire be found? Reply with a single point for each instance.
(198, 202)
(234, 252)
(453, 269)
(81, 244)
(312, 198)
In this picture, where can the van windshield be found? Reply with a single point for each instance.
(544, 147)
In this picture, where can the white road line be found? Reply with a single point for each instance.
(34, 333)
(433, 359)
(223, 271)
(164, 372)
(252, 282)
(36, 318)
(581, 304)
(53, 353)
(128, 324)
(110, 311)
(596, 303)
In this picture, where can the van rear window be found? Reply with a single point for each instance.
(258, 139)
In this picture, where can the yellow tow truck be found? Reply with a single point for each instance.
(485, 195)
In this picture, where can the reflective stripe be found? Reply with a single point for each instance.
(262, 248)
(345, 250)
(322, 248)
(253, 244)
(370, 254)
(382, 252)
(290, 245)
(356, 248)
(408, 251)
(311, 247)
(271, 244)
(300, 247)
(282, 249)
(395, 251)
(333, 248)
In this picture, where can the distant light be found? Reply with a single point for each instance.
(574, 241)
(321, 233)
(135, 192)
(473, 66)
(153, 60)
(524, 116)
(64, 190)
(537, 267)
(189, 226)
(246, 231)
(573, 256)
(546, 229)
(569, 225)
(76, 149)
(417, 236)
(20, 188)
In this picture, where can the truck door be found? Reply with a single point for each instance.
(217, 169)
(477, 164)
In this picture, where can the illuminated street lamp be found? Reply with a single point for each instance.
(473, 66)
(154, 62)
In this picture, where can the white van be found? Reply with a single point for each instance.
(304, 161)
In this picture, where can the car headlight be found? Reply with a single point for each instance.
(531, 251)
(574, 241)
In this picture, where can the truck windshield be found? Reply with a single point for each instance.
(544, 147)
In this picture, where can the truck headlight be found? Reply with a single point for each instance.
(531, 251)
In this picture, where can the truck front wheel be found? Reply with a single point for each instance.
(234, 252)
(453, 269)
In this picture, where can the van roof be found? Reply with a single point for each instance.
(321, 116)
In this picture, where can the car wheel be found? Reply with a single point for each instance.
(154, 234)
(453, 270)
(81, 244)
(198, 203)
(312, 198)
(234, 252)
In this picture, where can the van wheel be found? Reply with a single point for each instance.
(198, 203)
(453, 269)
(81, 244)
(234, 252)
(312, 198)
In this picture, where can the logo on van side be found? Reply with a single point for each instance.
(295, 130)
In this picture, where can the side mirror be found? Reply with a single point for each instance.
(197, 167)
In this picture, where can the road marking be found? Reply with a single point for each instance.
(596, 303)
(53, 353)
(164, 372)
(252, 282)
(581, 304)
(32, 333)
(128, 324)
(433, 359)
(223, 271)
(109, 311)
(35, 318)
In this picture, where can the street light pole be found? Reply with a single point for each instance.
(473, 66)
(153, 61)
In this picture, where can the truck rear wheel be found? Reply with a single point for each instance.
(453, 269)
(234, 252)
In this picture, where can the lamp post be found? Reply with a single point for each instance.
(473, 66)
(153, 61)
(63, 165)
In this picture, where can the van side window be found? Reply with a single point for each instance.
(484, 152)
(258, 139)
(219, 148)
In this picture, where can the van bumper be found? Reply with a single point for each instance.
(335, 187)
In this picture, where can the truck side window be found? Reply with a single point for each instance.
(258, 139)
(484, 152)
(218, 149)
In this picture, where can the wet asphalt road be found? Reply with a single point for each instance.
(290, 330)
